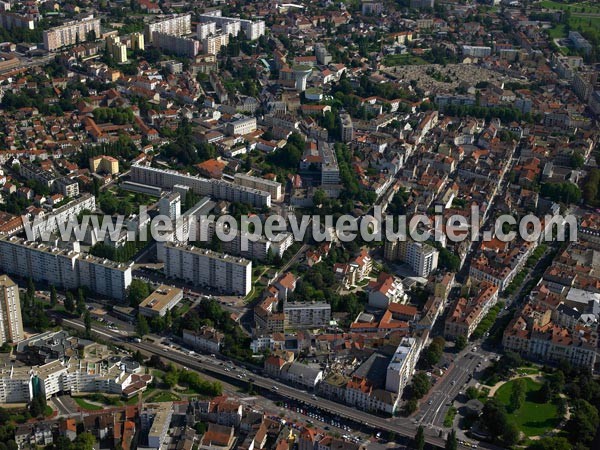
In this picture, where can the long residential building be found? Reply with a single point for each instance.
(177, 25)
(262, 184)
(536, 333)
(252, 29)
(218, 189)
(11, 322)
(299, 315)
(110, 376)
(67, 268)
(46, 225)
(201, 267)
(467, 313)
(71, 33)
(180, 46)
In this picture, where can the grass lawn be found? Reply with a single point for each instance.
(164, 396)
(403, 60)
(85, 405)
(528, 370)
(533, 418)
(588, 6)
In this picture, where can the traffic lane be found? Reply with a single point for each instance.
(402, 427)
(399, 426)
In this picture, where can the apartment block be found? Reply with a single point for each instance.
(402, 365)
(211, 45)
(137, 41)
(422, 257)
(272, 187)
(218, 189)
(241, 126)
(170, 205)
(11, 323)
(105, 163)
(252, 29)
(205, 29)
(177, 45)
(467, 313)
(347, 127)
(48, 224)
(177, 25)
(117, 49)
(422, 4)
(10, 20)
(300, 315)
(201, 267)
(71, 33)
(67, 268)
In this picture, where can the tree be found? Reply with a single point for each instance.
(84, 441)
(87, 321)
(517, 395)
(410, 407)
(550, 443)
(53, 297)
(69, 303)
(420, 438)
(434, 352)
(460, 343)
(142, 328)
(451, 443)
(319, 197)
(494, 417)
(472, 392)
(80, 302)
(511, 434)
(583, 423)
(420, 385)
(138, 291)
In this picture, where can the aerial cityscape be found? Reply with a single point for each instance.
(310, 225)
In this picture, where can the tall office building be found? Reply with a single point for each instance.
(71, 33)
(11, 323)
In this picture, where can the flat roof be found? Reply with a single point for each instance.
(161, 297)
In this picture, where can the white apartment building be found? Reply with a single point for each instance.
(347, 127)
(177, 25)
(170, 205)
(11, 322)
(205, 29)
(219, 189)
(241, 126)
(252, 29)
(476, 51)
(211, 45)
(423, 258)
(181, 46)
(402, 366)
(262, 184)
(15, 384)
(225, 273)
(67, 268)
(71, 33)
(48, 224)
(306, 315)
(156, 420)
